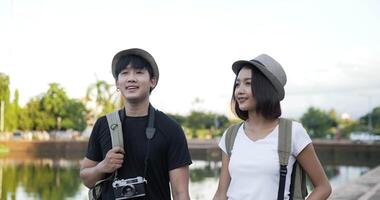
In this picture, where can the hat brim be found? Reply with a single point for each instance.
(236, 67)
(138, 52)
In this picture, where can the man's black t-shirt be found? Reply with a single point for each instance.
(168, 151)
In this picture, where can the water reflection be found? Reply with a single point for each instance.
(41, 179)
(52, 178)
(339, 175)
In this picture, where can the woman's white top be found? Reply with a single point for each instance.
(254, 165)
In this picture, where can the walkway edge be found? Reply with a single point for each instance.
(363, 187)
(370, 193)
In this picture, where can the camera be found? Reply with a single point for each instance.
(129, 188)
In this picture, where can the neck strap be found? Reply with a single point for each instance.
(149, 132)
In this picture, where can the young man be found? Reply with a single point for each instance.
(136, 75)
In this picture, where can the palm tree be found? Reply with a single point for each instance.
(100, 93)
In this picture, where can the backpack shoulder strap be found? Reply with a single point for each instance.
(298, 189)
(230, 137)
(283, 149)
(116, 130)
(284, 140)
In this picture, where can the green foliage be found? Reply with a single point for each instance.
(11, 113)
(53, 110)
(10, 120)
(198, 175)
(199, 120)
(374, 116)
(101, 92)
(347, 127)
(178, 118)
(75, 117)
(60, 111)
(54, 101)
(318, 123)
(4, 87)
(10, 117)
(203, 133)
(202, 124)
(35, 112)
(24, 121)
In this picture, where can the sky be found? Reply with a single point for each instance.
(329, 49)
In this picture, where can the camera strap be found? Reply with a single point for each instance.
(115, 126)
(116, 131)
(149, 132)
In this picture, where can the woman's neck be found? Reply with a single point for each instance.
(137, 109)
(259, 122)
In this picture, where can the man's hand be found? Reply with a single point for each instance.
(92, 171)
(113, 160)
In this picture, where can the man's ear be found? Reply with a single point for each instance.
(153, 82)
(116, 84)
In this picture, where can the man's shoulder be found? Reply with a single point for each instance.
(102, 120)
(101, 125)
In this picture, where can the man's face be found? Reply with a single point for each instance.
(134, 84)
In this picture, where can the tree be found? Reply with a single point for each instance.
(199, 120)
(40, 119)
(24, 121)
(14, 110)
(75, 117)
(4, 87)
(371, 120)
(205, 124)
(53, 103)
(10, 118)
(104, 98)
(318, 123)
(178, 118)
(54, 110)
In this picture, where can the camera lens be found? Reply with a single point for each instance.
(128, 190)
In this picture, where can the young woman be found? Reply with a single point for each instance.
(252, 170)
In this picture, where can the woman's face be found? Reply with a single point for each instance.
(243, 90)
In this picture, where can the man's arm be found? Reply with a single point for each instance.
(179, 181)
(92, 171)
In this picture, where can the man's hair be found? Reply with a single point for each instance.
(135, 61)
(267, 98)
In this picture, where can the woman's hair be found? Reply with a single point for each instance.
(267, 98)
(135, 61)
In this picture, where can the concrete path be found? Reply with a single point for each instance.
(366, 187)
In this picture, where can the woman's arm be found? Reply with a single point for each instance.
(310, 163)
(224, 179)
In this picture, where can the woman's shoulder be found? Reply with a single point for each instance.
(296, 125)
(300, 138)
(298, 129)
